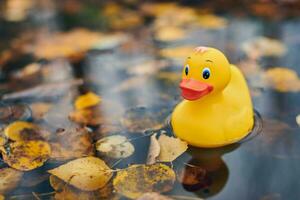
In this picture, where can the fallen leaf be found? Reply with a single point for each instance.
(297, 120)
(178, 53)
(170, 148)
(87, 100)
(212, 21)
(9, 179)
(39, 109)
(136, 180)
(89, 116)
(88, 173)
(153, 196)
(154, 150)
(263, 46)
(26, 155)
(20, 130)
(169, 33)
(70, 143)
(282, 79)
(115, 146)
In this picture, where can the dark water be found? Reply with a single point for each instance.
(264, 167)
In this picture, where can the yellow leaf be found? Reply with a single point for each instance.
(27, 155)
(169, 33)
(13, 130)
(115, 146)
(136, 180)
(212, 21)
(179, 52)
(282, 79)
(87, 100)
(40, 109)
(89, 173)
(170, 148)
(9, 179)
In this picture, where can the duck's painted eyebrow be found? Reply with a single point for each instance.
(209, 61)
(189, 57)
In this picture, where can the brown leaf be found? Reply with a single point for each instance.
(9, 179)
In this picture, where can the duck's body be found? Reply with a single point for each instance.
(220, 117)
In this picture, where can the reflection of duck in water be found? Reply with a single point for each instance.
(206, 173)
(217, 109)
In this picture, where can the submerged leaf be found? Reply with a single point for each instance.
(115, 146)
(9, 179)
(170, 148)
(89, 173)
(27, 155)
(154, 150)
(87, 100)
(70, 143)
(136, 180)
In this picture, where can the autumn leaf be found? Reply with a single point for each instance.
(154, 150)
(115, 146)
(70, 143)
(179, 52)
(39, 109)
(136, 180)
(282, 79)
(169, 33)
(89, 116)
(88, 173)
(170, 148)
(212, 21)
(87, 100)
(26, 155)
(9, 179)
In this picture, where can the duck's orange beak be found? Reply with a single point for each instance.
(192, 89)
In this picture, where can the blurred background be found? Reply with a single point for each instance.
(131, 53)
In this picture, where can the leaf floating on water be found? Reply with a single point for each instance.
(153, 196)
(89, 173)
(39, 109)
(298, 120)
(9, 179)
(115, 146)
(212, 21)
(179, 52)
(89, 116)
(169, 33)
(136, 180)
(20, 130)
(263, 46)
(154, 150)
(87, 100)
(282, 79)
(170, 148)
(26, 155)
(70, 143)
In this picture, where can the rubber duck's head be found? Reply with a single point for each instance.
(206, 72)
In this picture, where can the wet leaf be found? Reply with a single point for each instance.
(136, 180)
(297, 120)
(26, 155)
(39, 109)
(89, 173)
(70, 143)
(169, 33)
(153, 196)
(212, 21)
(154, 150)
(89, 116)
(282, 79)
(9, 179)
(179, 52)
(115, 146)
(87, 100)
(263, 46)
(21, 130)
(170, 148)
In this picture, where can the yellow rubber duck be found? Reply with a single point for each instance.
(217, 109)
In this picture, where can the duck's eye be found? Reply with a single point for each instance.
(206, 73)
(186, 70)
